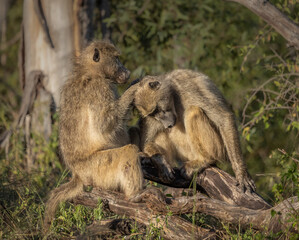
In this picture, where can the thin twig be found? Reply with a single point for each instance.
(10, 42)
(285, 153)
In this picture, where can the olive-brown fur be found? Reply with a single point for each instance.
(93, 138)
(187, 122)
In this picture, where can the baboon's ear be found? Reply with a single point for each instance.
(154, 85)
(96, 55)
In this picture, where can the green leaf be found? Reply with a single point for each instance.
(273, 213)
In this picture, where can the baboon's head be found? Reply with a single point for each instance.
(102, 58)
(154, 99)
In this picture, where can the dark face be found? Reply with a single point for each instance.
(164, 116)
(106, 57)
(154, 100)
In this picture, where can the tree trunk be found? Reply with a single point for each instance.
(48, 41)
(104, 7)
(50, 38)
(46, 62)
(83, 19)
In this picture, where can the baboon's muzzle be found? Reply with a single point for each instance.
(168, 120)
(124, 75)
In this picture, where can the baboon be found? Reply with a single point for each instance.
(187, 123)
(93, 139)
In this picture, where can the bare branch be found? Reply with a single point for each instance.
(274, 17)
(172, 227)
(175, 227)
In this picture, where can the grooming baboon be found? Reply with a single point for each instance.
(187, 123)
(93, 139)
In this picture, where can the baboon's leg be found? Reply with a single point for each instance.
(118, 169)
(204, 139)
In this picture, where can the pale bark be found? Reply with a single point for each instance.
(51, 56)
(287, 28)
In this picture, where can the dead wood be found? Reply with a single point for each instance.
(174, 227)
(215, 183)
(258, 219)
(30, 92)
(287, 28)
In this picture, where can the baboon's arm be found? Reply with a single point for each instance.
(126, 100)
(225, 121)
(212, 102)
(159, 159)
(149, 129)
(115, 113)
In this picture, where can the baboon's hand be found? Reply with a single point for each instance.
(137, 80)
(187, 172)
(166, 173)
(245, 182)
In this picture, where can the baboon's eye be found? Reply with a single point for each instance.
(96, 55)
(156, 111)
(154, 85)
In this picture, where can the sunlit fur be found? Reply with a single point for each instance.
(205, 129)
(93, 139)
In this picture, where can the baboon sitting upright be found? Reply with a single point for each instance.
(186, 122)
(93, 139)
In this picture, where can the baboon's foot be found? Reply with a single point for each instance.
(245, 182)
(165, 171)
(187, 173)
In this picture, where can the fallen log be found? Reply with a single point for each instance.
(257, 219)
(174, 227)
(215, 183)
(149, 214)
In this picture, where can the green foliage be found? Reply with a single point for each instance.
(10, 91)
(288, 185)
(21, 199)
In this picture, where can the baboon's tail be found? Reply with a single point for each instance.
(65, 192)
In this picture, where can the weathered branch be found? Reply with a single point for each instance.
(28, 98)
(258, 219)
(274, 17)
(216, 183)
(174, 227)
(230, 205)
